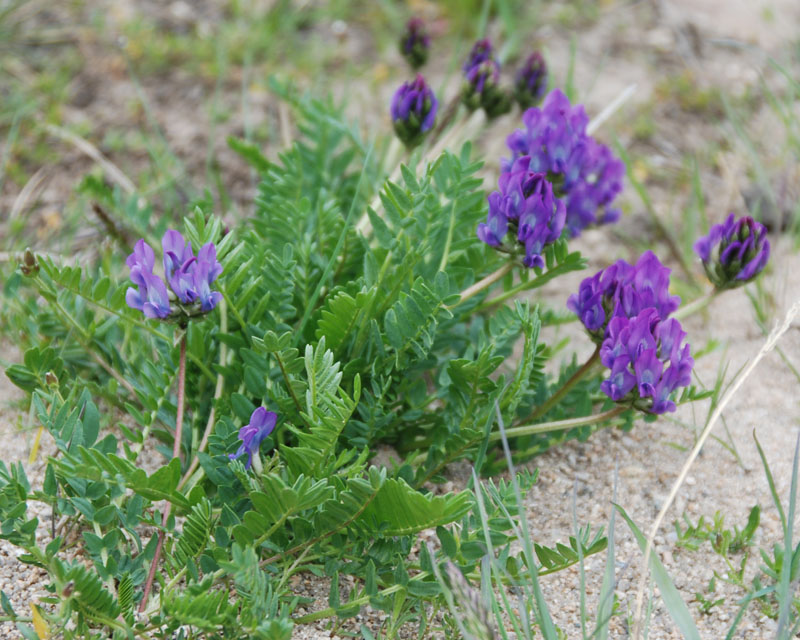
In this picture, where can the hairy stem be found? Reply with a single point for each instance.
(223, 357)
(558, 425)
(576, 377)
(176, 453)
(696, 305)
(484, 283)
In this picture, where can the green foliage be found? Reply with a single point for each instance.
(385, 333)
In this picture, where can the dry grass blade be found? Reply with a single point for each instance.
(29, 192)
(112, 170)
(768, 345)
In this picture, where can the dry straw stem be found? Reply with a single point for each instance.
(770, 343)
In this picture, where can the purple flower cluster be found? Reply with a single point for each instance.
(415, 42)
(525, 208)
(189, 276)
(482, 82)
(625, 309)
(587, 174)
(734, 252)
(623, 290)
(413, 111)
(262, 422)
(531, 81)
(647, 359)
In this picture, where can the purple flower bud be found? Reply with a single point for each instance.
(481, 88)
(734, 252)
(526, 209)
(262, 422)
(415, 42)
(586, 174)
(531, 81)
(646, 360)
(625, 291)
(413, 111)
(481, 51)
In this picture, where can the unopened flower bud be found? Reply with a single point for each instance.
(29, 265)
(415, 43)
(413, 111)
(531, 81)
(734, 252)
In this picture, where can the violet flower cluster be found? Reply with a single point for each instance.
(647, 360)
(481, 86)
(262, 423)
(625, 309)
(530, 82)
(623, 290)
(734, 252)
(415, 43)
(413, 111)
(587, 174)
(525, 211)
(189, 277)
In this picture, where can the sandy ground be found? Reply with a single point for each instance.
(722, 42)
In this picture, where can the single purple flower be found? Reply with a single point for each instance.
(415, 42)
(531, 81)
(495, 228)
(142, 256)
(734, 252)
(151, 298)
(262, 422)
(208, 256)
(178, 263)
(201, 277)
(413, 111)
(620, 381)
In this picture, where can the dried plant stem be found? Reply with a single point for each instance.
(770, 343)
(610, 108)
(176, 452)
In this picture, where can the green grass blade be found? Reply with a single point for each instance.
(605, 604)
(543, 618)
(785, 592)
(675, 605)
(771, 482)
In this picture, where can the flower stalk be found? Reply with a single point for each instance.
(176, 452)
(574, 379)
(484, 283)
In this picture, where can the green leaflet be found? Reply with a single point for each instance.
(400, 510)
(195, 535)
